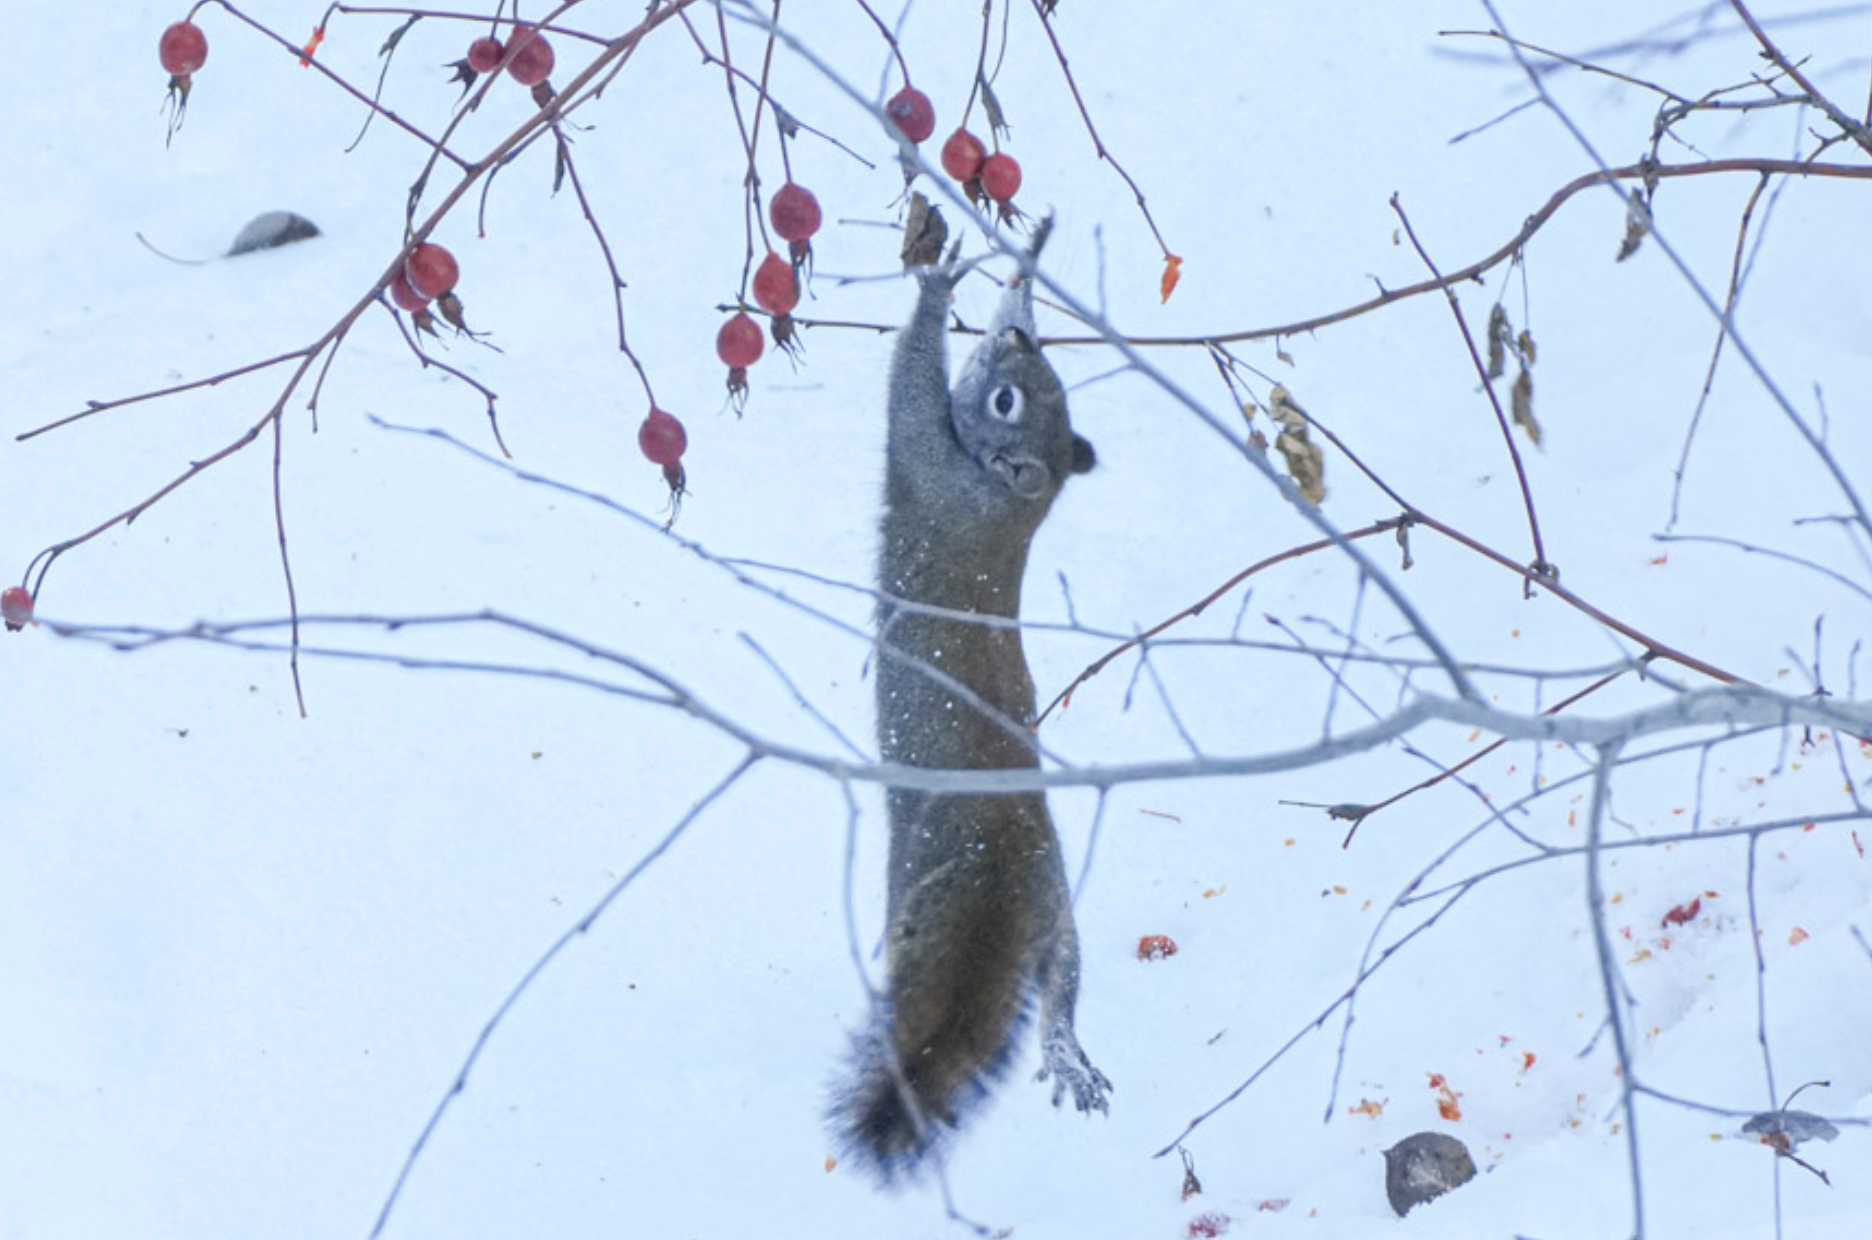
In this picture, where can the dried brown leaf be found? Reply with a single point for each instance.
(1521, 405)
(925, 232)
(1306, 464)
(1637, 227)
(992, 106)
(1500, 333)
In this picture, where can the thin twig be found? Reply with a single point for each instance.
(1540, 567)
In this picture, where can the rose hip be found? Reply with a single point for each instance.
(794, 212)
(962, 155)
(776, 285)
(910, 110)
(1001, 177)
(662, 439)
(431, 269)
(739, 342)
(184, 49)
(484, 55)
(530, 56)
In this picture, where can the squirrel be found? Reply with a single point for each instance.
(980, 917)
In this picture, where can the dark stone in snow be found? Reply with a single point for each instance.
(1423, 1167)
(273, 228)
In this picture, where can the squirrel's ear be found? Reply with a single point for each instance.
(1084, 458)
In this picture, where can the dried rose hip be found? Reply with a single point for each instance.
(16, 608)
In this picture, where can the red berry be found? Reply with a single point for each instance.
(184, 49)
(530, 56)
(910, 110)
(405, 295)
(484, 55)
(776, 286)
(1000, 177)
(962, 155)
(16, 608)
(739, 341)
(794, 212)
(432, 270)
(662, 439)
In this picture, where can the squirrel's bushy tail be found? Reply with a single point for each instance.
(893, 1112)
(946, 1033)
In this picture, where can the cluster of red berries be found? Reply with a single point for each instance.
(795, 215)
(964, 157)
(996, 176)
(430, 272)
(527, 56)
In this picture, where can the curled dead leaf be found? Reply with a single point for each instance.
(1521, 405)
(1173, 271)
(1306, 464)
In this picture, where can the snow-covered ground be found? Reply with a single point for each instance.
(243, 953)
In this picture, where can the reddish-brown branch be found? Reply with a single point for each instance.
(903, 66)
(540, 122)
(1716, 351)
(297, 53)
(94, 407)
(1359, 813)
(1197, 608)
(490, 20)
(1784, 167)
(604, 246)
(423, 356)
(279, 529)
(1098, 143)
(1653, 648)
(1852, 127)
(1540, 564)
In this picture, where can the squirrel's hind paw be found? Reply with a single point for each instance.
(1067, 1064)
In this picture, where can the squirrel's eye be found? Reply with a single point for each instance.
(1006, 403)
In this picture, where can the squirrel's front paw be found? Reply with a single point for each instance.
(1067, 1064)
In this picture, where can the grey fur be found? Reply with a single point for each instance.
(980, 916)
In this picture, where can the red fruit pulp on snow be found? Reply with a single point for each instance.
(184, 49)
(16, 607)
(484, 55)
(739, 341)
(431, 269)
(405, 296)
(794, 212)
(962, 155)
(662, 439)
(1000, 177)
(530, 57)
(910, 110)
(776, 286)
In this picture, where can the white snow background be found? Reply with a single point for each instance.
(243, 954)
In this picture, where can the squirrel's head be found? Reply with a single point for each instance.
(1009, 408)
